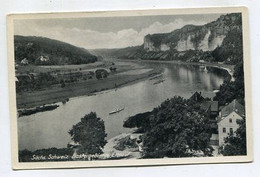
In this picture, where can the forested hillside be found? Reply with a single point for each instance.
(45, 51)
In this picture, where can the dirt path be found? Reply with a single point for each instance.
(109, 147)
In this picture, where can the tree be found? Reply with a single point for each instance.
(101, 73)
(90, 134)
(239, 82)
(177, 128)
(32, 47)
(62, 83)
(235, 143)
(231, 90)
(141, 121)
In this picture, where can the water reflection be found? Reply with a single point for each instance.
(50, 129)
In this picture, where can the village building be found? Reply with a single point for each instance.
(202, 96)
(211, 108)
(227, 120)
(25, 61)
(197, 96)
(44, 58)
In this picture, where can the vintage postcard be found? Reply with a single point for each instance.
(129, 88)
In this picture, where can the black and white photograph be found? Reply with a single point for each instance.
(126, 88)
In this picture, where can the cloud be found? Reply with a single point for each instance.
(90, 39)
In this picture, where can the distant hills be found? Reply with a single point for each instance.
(117, 52)
(219, 41)
(45, 51)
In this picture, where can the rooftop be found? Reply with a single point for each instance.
(197, 97)
(233, 106)
(213, 105)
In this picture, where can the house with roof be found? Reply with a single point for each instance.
(210, 107)
(44, 58)
(25, 61)
(227, 120)
(197, 96)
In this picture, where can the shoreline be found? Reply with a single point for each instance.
(112, 142)
(79, 89)
(228, 68)
(93, 87)
(138, 79)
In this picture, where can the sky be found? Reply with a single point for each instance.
(106, 32)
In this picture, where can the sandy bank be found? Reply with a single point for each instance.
(109, 147)
(228, 68)
(56, 94)
(132, 71)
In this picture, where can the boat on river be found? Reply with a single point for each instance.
(117, 110)
(155, 77)
(159, 81)
(205, 69)
(216, 91)
(64, 101)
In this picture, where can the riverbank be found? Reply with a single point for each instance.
(27, 112)
(132, 72)
(113, 142)
(135, 98)
(228, 68)
(128, 73)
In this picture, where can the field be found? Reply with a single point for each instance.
(127, 73)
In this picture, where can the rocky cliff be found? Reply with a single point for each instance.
(206, 38)
(218, 41)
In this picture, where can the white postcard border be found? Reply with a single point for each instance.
(140, 162)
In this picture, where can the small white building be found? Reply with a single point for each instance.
(44, 58)
(227, 120)
(25, 61)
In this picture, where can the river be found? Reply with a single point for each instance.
(50, 129)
